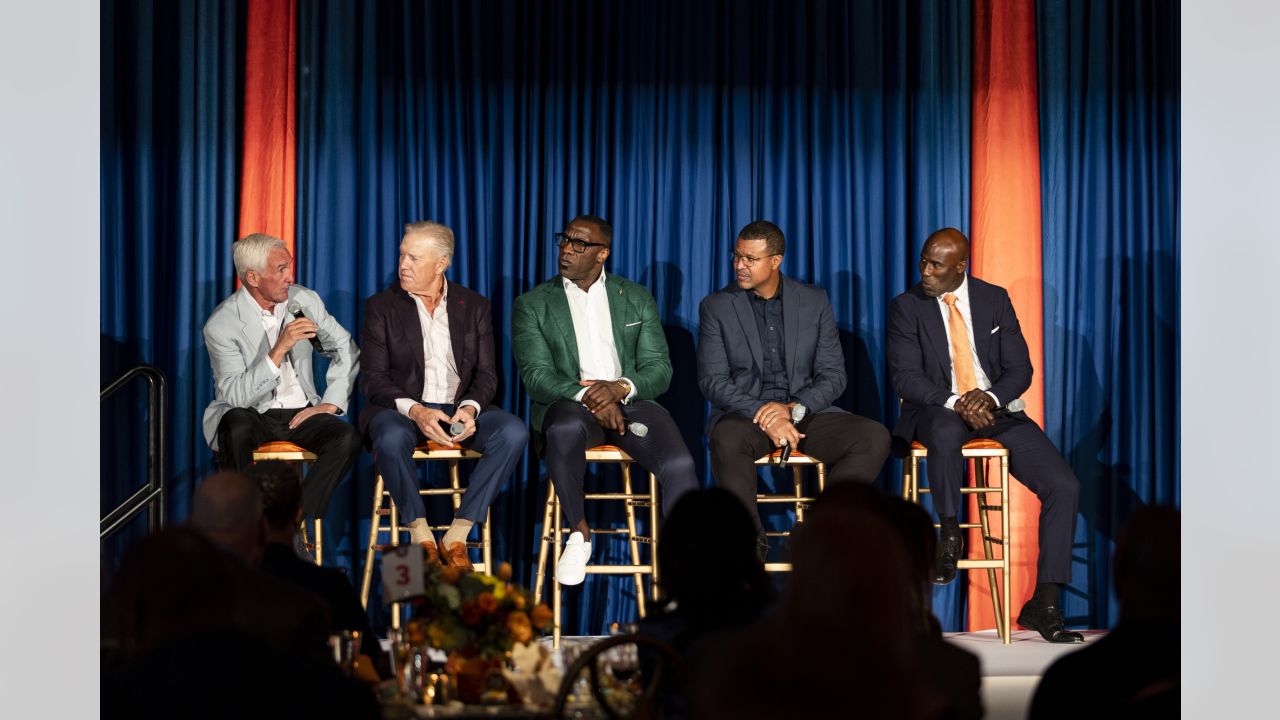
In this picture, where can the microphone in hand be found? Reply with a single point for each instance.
(296, 311)
(797, 414)
(638, 429)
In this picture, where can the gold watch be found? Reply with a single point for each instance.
(626, 387)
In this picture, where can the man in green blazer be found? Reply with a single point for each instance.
(593, 357)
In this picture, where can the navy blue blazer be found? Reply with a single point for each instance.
(920, 359)
(730, 357)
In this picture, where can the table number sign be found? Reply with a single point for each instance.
(402, 572)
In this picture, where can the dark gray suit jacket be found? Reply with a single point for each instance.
(730, 356)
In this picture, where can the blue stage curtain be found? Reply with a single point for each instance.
(171, 98)
(1109, 139)
(847, 124)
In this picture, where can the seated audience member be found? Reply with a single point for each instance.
(227, 510)
(711, 578)
(184, 654)
(1135, 670)
(955, 673)
(840, 640)
(282, 508)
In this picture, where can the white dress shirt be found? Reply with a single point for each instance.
(962, 304)
(593, 329)
(289, 393)
(440, 377)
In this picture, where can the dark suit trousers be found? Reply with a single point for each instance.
(852, 447)
(336, 444)
(570, 429)
(499, 435)
(1033, 460)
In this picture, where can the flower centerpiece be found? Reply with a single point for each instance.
(476, 619)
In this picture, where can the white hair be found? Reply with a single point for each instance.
(250, 252)
(438, 235)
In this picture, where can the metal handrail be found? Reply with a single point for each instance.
(152, 495)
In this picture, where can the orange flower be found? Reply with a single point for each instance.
(487, 602)
(519, 601)
(504, 571)
(450, 574)
(519, 626)
(541, 616)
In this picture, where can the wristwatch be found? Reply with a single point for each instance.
(626, 387)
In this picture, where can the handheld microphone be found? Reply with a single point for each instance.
(638, 429)
(296, 311)
(797, 414)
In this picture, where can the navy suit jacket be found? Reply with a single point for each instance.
(920, 358)
(731, 358)
(393, 364)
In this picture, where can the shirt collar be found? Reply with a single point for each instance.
(277, 310)
(776, 296)
(444, 297)
(961, 293)
(571, 284)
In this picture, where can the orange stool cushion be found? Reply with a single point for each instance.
(975, 444)
(279, 446)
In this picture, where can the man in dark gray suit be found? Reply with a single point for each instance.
(768, 346)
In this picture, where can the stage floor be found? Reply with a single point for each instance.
(1010, 673)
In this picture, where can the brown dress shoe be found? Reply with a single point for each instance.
(431, 553)
(456, 554)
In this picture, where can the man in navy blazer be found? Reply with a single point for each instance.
(769, 345)
(946, 403)
(428, 367)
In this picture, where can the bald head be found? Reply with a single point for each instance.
(227, 509)
(943, 261)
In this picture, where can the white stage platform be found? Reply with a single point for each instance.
(1011, 672)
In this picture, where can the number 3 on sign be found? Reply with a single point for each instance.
(402, 572)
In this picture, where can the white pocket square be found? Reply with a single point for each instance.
(634, 323)
(994, 330)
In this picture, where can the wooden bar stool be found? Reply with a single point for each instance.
(980, 451)
(299, 458)
(796, 462)
(384, 506)
(553, 534)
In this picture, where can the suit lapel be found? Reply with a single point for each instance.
(618, 318)
(742, 305)
(406, 309)
(980, 313)
(790, 324)
(558, 308)
(931, 320)
(251, 324)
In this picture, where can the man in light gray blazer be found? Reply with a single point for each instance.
(261, 342)
(769, 346)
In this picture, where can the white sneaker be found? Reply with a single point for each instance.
(572, 568)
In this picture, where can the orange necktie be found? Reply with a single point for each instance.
(961, 351)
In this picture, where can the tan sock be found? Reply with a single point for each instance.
(457, 532)
(420, 531)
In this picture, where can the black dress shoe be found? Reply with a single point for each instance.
(1047, 620)
(762, 545)
(948, 557)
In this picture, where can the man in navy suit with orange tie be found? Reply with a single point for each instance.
(960, 364)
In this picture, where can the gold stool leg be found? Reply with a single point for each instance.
(822, 477)
(393, 541)
(541, 576)
(653, 533)
(797, 478)
(1004, 542)
(980, 474)
(367, 576)
(319, 524)
(631, 535)
(915, 478)
(486, 544)
(557, 534)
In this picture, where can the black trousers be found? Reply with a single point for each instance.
(570, 429)
(852, 447)
(336, 444)
(1033, 460)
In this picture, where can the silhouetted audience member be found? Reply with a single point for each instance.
(184, 654)
(1135, 670)
(227, 510)
(841, 640)
(712, 579)
(282, 507)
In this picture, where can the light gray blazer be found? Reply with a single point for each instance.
(242, 375)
